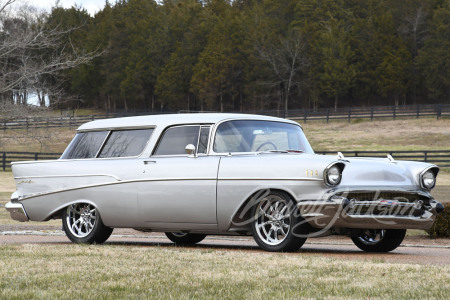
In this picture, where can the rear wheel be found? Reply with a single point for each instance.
(82, 224)
(181, 238)
(379, 240)
(277, 224)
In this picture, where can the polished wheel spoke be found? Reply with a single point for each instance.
(81, 219)
(273, 221)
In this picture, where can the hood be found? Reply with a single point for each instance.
(382, 172)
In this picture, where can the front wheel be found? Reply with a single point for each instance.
(82, 224)
(379, 240)
(277, 224)
(181, 238)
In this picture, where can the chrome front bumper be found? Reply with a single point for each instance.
(340, 212)
(17, 211)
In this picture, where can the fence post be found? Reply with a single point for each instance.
(418, 111)
(26, 122)
(306, 114)
(425, 156)
(328, 114)
(371, 114)
(394, 111)
(4, 161)
(36, 156)
(349, 114)
(439, 112)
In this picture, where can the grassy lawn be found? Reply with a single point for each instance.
(115, 271)
(53, 140)
(412, 134)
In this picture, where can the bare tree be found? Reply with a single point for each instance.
(33, 56)
(287, 60)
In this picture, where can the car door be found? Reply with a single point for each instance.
(178, 189)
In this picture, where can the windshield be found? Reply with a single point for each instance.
(260, 136)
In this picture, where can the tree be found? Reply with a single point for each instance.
(218, 72)
(338, 73)
(286, 57)
(190, 29)
(434, 58)
(31, 54)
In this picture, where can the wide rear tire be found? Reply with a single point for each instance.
(82, 224)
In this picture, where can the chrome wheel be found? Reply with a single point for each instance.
(81, 219)
(372, 236)
(273, 222)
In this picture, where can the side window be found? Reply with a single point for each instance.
(176, 138)
(126, 143)
(203, 140)
(85, 145)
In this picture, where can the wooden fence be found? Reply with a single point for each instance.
(8, 157)
(438, 157)
(325, 114)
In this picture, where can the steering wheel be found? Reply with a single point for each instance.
(267, 143)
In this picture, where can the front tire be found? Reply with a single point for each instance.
(83, 225)
(277, 224)
(379, 240)
(180, 238)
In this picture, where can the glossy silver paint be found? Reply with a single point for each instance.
(207, 193)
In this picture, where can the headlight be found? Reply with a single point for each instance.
(333, 174)
(428, 179)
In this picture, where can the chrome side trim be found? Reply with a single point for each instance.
(27, 197)
(271, 179)
(17, 211)
(75, 175)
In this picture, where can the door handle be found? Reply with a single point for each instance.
(146, 162)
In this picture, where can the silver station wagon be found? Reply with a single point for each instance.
(192, 175)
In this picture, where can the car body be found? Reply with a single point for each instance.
(192, 175)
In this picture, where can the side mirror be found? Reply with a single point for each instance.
(190, 149)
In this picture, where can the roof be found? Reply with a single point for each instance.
(172, 119)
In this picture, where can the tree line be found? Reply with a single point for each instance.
(236, 55)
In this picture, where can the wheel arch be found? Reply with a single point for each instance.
(57, 212)
(241, 219)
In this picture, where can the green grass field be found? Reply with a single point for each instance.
(117, 272)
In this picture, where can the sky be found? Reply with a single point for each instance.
(92, 6)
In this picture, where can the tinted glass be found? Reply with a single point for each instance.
(85, 145)
(254, 136)
(125, 143)
(203, 140)
(176, 139)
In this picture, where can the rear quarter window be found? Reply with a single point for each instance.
(85, 145)
(125, 143)
(104, 144)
